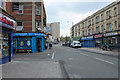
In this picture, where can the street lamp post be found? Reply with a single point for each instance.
(70, 29)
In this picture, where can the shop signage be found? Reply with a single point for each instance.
(7, 22)
(28, 34)
(87, 38)
(119, 32)
(111, 34)
(98, 36)
(83, 38)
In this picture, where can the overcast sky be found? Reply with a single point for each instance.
(72, 11)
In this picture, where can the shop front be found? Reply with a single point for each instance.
(28, 42)
(112, 39)
(7, 25)
(98, 40)
(87, 41)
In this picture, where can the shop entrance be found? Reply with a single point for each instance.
(39, 45)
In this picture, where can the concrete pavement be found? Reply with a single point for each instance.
(32, 69)
(33, 65)
(100, 51)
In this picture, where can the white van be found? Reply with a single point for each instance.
(76, 44)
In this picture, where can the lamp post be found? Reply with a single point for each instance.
(70, 28)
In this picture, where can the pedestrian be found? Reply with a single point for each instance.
(49, 45)
(46, 45)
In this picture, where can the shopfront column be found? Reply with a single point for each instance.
(42, 44)
(11, 45)
(34, 48)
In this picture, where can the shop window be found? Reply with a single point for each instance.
(15, 43)
(17, 7)
(28, 43)
(22, 43)
(4, 45)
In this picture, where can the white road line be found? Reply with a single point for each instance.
(104, 61)
(84, 54)
(53, 55)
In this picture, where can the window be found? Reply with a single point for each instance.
(115, 11)
(5, 45)
(28, 43)
(110, 25)
(38, 10)
(102, 28)
(89, 31)
(97, 29)
(37, 24)
(89, 23)
(92, 21)
(19, 23)
(15, 43)
(108, 14)
(19, 26)
(82, 25)
(115, 24)
(97, 19)
(83, 33)
(22, 43)
(107, 25)
(102, 17)
(1, 3)
(17, 7)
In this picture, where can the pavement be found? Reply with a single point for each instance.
(33, 65)
(100, 51)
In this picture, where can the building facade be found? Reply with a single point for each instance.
(7, 26)
(104, 26)
(31, 20)
(55, 30)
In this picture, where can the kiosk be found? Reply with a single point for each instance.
(7, 25)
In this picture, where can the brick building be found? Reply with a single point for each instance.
(31, 20)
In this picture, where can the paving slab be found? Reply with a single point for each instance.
(32, 69)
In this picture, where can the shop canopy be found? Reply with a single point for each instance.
(28, 34)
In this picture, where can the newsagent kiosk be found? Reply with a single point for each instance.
(28, 42)
(7, 25)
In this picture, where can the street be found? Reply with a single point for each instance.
(83, 64)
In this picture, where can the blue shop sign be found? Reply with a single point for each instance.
(28, 34)
(87, 38)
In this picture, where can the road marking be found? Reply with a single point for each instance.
(104, 61)
(48, 54)
(84, 54)
(53, 55)
(70, 58)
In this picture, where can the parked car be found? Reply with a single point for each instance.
(75, 44)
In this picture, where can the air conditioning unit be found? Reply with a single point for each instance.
(19, 28)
